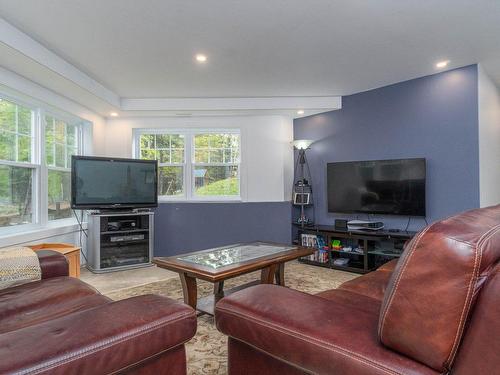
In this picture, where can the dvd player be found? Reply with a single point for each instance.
(364, 225)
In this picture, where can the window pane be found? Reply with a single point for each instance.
(24, 120)
(70, 151)
(216, 181)
(170, 181)
(15, 195)
(177, 140)
(216, 156)
(59, 131)
(23, 148)
(201, 141)
(217, 148)
(162, 141)
(71, 138)
(15, 132)
(59, 194)
(7, 146)
(148, 154)
(60, 156)
(177, 155)
(147, 141)
(163, 156)
(7, 115)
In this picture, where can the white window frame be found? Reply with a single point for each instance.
(38, 163)
(189, 162)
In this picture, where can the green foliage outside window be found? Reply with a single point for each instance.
(215, 170)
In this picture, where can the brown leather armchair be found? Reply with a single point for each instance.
(60, 325)
(436, 311)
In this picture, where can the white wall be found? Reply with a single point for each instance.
(489, 140)
(266, 151)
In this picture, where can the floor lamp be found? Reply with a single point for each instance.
(302, 189)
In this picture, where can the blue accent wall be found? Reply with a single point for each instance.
(434, 117)
(185, 227)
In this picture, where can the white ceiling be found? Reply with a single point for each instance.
(259, 48)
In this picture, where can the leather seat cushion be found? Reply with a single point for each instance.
(337, 335)
(44, 300)
(371, 285)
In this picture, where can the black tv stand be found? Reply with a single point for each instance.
(378, 247)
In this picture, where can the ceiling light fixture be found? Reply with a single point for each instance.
(113, 114)
(201, 58)
(300, 112)
(442, 64)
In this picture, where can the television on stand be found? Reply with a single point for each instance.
(113, 183)
(384, 187)
(120, 236)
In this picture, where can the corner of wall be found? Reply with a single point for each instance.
(489, 139)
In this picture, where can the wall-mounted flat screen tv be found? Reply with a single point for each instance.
(104, 183)
(391, 187)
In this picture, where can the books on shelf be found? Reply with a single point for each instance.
(318, 242)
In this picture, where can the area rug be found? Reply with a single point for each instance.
(207, 351)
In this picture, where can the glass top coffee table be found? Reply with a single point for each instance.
(222, 263)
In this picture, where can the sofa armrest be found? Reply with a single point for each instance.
(52, 263)
(106, 339)
(313, 334)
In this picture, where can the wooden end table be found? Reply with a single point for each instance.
(71, 252)
(222, 263)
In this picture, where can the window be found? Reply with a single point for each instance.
(216, 164)
(193, 164)
(17, 170)
(35, 162)
(61, 141)
(169, 150)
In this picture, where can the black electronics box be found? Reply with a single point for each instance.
(341, 224)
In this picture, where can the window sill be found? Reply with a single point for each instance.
(32, 233)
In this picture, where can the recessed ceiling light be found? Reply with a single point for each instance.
(300, 112)
(442, 64)
(201, 58)
(113, 114)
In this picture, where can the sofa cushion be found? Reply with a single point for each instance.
(434, 286)
(40, 301)
(371, 285)
(111, 338)
(337, 335)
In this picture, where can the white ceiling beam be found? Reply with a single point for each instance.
(232, 104)
(16, 39)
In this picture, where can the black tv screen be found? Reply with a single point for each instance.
(392, 187)
(98, 182)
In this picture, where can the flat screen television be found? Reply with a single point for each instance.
(107, 183)
(391, 187)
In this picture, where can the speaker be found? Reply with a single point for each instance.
(341, 224)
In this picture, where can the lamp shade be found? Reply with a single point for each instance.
(302, 144)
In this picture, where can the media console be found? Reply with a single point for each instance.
(367, 250)
(120, 240)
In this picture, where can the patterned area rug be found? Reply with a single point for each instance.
(207, 351)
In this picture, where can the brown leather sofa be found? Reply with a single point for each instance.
(434, 312)
(60, 325)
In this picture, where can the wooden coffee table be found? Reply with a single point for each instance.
(222, 263)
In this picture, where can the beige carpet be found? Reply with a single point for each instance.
(207, 351)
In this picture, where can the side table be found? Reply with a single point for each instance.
(71, 252)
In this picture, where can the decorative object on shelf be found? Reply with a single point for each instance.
(302, 187)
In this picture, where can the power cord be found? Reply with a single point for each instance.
(408, 224)
(80, 221)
